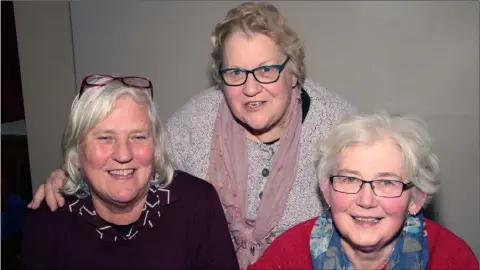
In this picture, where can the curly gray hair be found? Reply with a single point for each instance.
(253, 18)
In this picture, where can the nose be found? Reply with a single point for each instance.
(365, 197)
(251, 87)
(122, 152)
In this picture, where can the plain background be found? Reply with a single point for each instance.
(404, 57)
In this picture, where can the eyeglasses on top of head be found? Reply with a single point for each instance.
(382, 187)
(129, 81)
(263, 74)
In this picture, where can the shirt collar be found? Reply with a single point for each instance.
(157, 198)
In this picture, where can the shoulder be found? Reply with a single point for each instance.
(298, 231)
(189, 186)
(290, 250)
(447, 250)
(43, 224)
(43, 215)
(326, 107)
(197, 109)
(325, 99)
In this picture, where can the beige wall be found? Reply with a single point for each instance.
(418, 57)
(48, 79)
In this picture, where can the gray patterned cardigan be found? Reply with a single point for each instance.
(189, 133)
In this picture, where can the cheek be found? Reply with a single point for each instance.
(233, 94)
(279, 97)
(279, 90)
(340, 202)
(144, 154)
(394, 207)
(96, 155)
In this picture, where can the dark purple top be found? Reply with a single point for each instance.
(183, 227)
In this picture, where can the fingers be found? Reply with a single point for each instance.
(50, 197)
(59, 198)
(38, 197)
(60, 180)
(50, 191)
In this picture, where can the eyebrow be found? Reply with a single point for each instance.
(263, 63)
(378, 175)
(111, 131)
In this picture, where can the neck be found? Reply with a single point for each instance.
(119, 214)
(375, 259)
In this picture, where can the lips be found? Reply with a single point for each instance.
(367, 219)
(122, 173)
(254, 104)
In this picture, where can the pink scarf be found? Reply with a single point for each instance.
(228, 169)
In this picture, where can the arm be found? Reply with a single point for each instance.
(447, 250)
(290, 250)
(214, 248)
(177, 138)
(38, 240)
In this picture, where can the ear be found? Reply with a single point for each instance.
(294, 81)
(325, 187)
(75, 160)
(417, 202)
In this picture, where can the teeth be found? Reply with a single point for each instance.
(375, 220)
(254, 104)
(122, 172)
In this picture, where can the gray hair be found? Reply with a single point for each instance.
(88, 110)
(259, 18)
(408, 132)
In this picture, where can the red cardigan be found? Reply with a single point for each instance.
(291, 250)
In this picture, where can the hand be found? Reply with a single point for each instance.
(50, 191)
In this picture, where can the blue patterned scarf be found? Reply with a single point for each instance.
(410, 251)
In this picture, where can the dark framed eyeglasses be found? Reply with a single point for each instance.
(380, 187)
(130, 81)
(263, 74)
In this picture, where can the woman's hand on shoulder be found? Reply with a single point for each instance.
(49, 190)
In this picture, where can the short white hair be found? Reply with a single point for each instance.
(408, 132)
(92, 107)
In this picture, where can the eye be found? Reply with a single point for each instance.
(104, 138)
(266, 69)
(349, 179)
(387, 183)
(140, 137)
(233, 72)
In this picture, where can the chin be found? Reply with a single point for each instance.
(123, 198)
(368, 242)
(257, 127)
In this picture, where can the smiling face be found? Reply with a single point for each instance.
(365, 221)
(118, 154)
(261, 107)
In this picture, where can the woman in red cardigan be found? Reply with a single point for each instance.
(376, 173)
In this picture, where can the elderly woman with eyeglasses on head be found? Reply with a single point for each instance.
(376, 173)
(126, 207)
(251, 135)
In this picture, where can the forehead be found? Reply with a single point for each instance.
(255, 48)
(372, 158)
(126, 114)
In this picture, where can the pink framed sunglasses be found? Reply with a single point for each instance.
(130, 81)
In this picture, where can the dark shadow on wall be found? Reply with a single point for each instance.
(431, 211)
